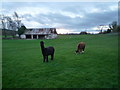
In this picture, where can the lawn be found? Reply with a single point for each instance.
(23, 67)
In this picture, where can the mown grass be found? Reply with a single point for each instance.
(23, 65)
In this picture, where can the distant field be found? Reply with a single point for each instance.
(23, 65)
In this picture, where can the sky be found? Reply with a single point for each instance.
(67, 17)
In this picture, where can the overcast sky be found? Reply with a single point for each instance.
(65, 16)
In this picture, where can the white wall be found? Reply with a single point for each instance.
(23, 36)
(52, 36)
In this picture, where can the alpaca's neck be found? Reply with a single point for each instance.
(42, 48)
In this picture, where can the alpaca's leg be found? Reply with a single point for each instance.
(83, 49)
(43, 58)
(52, 56)
(79, 51)
(47, 58)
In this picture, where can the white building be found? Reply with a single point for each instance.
(41, 33)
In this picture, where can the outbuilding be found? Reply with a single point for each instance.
(40, 33)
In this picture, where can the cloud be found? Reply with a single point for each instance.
(69, 16)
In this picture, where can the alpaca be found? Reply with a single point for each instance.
(46, 52)
(80, 47)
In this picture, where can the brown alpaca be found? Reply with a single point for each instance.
(80, 47)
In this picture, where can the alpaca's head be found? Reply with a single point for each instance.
(41, 43)
(76, 51)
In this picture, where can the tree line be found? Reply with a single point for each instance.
(6, 33)
(113, 27)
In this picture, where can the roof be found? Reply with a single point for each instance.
(40, 31)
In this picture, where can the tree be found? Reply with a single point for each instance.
(3, 24)
(113, 26)
(17, 19)
(118, 28)
(108, 30)
(101, 28)
(21, 30)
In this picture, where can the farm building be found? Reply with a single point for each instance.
(41, 33)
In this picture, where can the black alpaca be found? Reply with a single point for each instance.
(46, 52)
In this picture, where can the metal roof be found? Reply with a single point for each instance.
(40, 31)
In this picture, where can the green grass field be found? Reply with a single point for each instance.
(23, 67)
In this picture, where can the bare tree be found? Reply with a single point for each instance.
(17, 19)
(3, 27)
(101, 28)
(113, 26)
